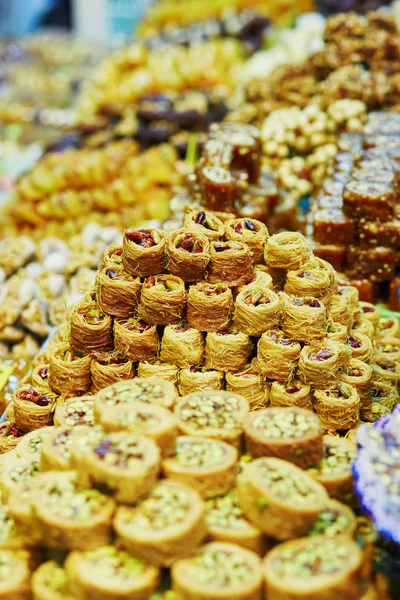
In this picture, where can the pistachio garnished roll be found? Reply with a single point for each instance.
(371, 313)
(31, 444)
(182, 345)
(195, 379)
(204, 223)
(309, 281)
(358, 374)
(292, 434)
(169, 524)
(158, 368)
(335, 519)
(210, 306)
(227, 350)
(337, 332)
(33, 408)
(108, 367)
(16, 470)
(350, 296)
(287, 250)
(334, 470)
(387, 347)
(11, 537)
(388, 327)
(70, 517)
(365, 326)
(249, 384)
(135, 339)
(277, 355)
(40, 377)
(90, 329)
(296, 393)
(69, 373)
(320, 363)
(143, 251)
(279, 498)
(250, 231)
(163, 300)
(213, 414)
(19, 505)
(118, 293)
(112, 258)
(75, 411)
(360, 345)
(108, 572)
(338, 408)
(205, 464)
(226, 522)
(10, 436)
(14, 575)
(382, 392)
(341, 312)
(218, 571)
(50, 582)
(257, 309)
(230, 263)
(188, 253)
(56, 449)
(304, 319)
(314, 567)
(386, 369)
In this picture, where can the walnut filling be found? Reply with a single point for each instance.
(122, 454)
(285, 424)
(114, 564)
(165, 506)
(67, 501)
(79, 413)
(146, 238)
(285, 485)
(219, 568)
(146, 391)
(199, 454)
(225, 512)
(331, 522)
(324, 557)
(210, 411)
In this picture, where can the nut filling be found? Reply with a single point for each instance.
(79, 413)
(65, 500)
(24, 471)
(199, 454)
(331, 522)
(210, 411)
(286, 485)
(337, 459)
(165, 507)
(218, 568)
(225, 512)
(322, 558)
(146, 391)
(56, 579)
(285, 425)
(114, 564)
(122, 454)
(8, 528)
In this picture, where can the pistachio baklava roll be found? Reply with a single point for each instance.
(335, 519)
(364, 326)
(160, 369)
(360, 345)
(337, 332)
(214, 414)
(205, 464)
(382, 392)
(75, 411)
(14, 575)
(90, 329)
(163, 300)
(296, 393)
(168, 525)
(386, 369)
(11, 538)
(387, 347)
(195, 379)
(309, 281)
(19, 506)
(249, 384)
(227, 350)
(230, 263)
(304, 319)
(40, 377)
(50, 582)
(358, 374)
(320, 363)
(350, 296)
(279, 498)
(204, 223)
(112, 258)
(292, 434)
(338, 408)
(56, 448)
(188, 253)
(388, 327)
(16, 470)
(33, 408)
(107, 368)
(341, 312)
(182, 345)
(118, 292)
(32, 443)
(143, 251)
(287, 250)
(314, 567)
(218, 571)
(108, 572)
(250, 231)
(257, 309)
(277, 355)
(135, 339)
(371, 313)
(10, 437)
(210, 306)
(69, 373)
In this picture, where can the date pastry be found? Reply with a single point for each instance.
(277, 356)
(296, 393)
(75, 411)
(188, 254)
(304, 319)
(287, 250)
(338, 408)
(135, 339)
(210, 306)
(250, 231)
(160, 369)
(107, 368)
(182, 346)
(68, 373)
(143, 252)
(230, 263)
(249, 384)
(33, 408)
(117, 293)
(50, 582)
(227, 350)
(90, 329)
(204, 223)
(257, 309)
(196, 379)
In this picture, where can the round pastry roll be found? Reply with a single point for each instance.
(10, 437)
(195, 379)
(386, 369)
(314, 567)
(320, 363)
(71, 518)
(304, 318)
(169, 524)
(337, 332)
(230, 263)
(338, 408)
(15, 471)
(33, 408)
(249, 384)
(31, 444)
(251, 232)
(107, 367)
(287, 250)
(107, 572)
(218, 571)
(350, 296)
(50, 582)
(371, 313)
(40, 377)
(227, 350)
(295, 393)
(19, 506)
(340, 311)
(226, 522)
(135, 339)
(360, 345)
(11, 537)
(182, 346)
(90, 329)
(312, 281)
(279, 498)
(388, 327)
(204, 223)
(163, 300)
(69, 374)
(188, 253)
(213, 414)
(205, 464)
(75, 411)
(155, 422)
(14, 575)
(143, 251)
(257, 309)
(335, 519)
(358, 374)
(334, 470)
(160, 369)
(112, 257)
(277, 356)
(210, 306)
(364, 326)
(56, 448)
(293, 434)
(117, 292)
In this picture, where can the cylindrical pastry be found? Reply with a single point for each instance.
(10, 436)
(118, 293)
(218, 571)
(249, 384)
(75, 411)
(205, 464)
(214, 414)
(350, 295)
(338, 408)
(71, 518)
(19, 505)
(210, 306)
(40, 377)
(277, 355)
(16, 470)
(11, 538)
(304, 319)
(316, 567)
(386, 369)
(90, 329)
(370, 312)
(164, 527)
(250, 231)
(389, 326)
(358, 374)
(56, 449)
(257, 309)
(14, 576)
(340, 311)
(383, 392)
(108, 572)
(230, 263)
(320, 363)
(337, 332)
(334, 470)
(33, 408)
(335, 519)
(160, 369)
(143, 252)
(188, 253)
(107, 367)
(227, 350)
(364, 326)
(296, 393)
(292, 434)
(112, 258)
(360, 344)
(163, 300)
(135, 339)
(204, 223)
(50, 582)
(279, 498)
(182, 346)
(123, 463)
(31, 444)
(287, 250)
(226, 522)
(387, 347)
(69, 374)
(309, 281)
(195, 379)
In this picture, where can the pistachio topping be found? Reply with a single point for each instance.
(79, 413)
(137, 417)
(321, 558)
(114, 563)
(167, 505)
(8, 528)
(146, 391)
(67, 501)
(225, 512)
(331, 522)
(124, 453)
(24, 470)
(337, 459)
(56, 578)
(219, 568)
(284, 424)
(201, 453)
(210, 411)
(35, 442)
(286, 485)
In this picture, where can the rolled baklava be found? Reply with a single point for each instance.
(250, 231)
(40, 377)
(360, 345)
(143, 252)
(335, 519)
(319, 363)
(257, 309)
(338, 407)
(230, 263)
(249, 384)
(118, 293)
(160, 369)
(14, 575)
(227, 350)
(359, 375)
(163, 300)
(182, 346)
(75, 411)
(277, 356)
(210, 306)
(204, 223)
(287, 250)
(304, 318)
(33, 408)
(188, 253)
(31, 444)
(50, 582)
(90, 329)
(69, 373)
(16, 470)
(296, 393)
(135, 339)
(196, 379)
(107, 368)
